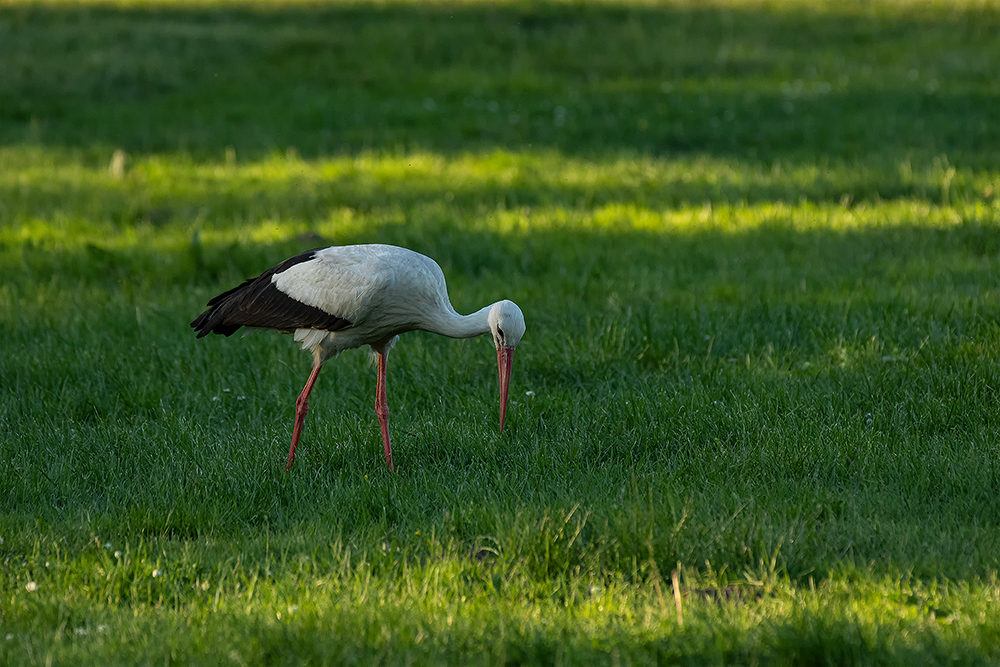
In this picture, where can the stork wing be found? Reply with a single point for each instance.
(350, 281)
(274, 300)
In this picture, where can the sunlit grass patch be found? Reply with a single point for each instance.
(61, 203)
(326, 605)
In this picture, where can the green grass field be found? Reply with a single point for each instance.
(757, 245)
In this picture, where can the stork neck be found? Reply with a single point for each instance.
(453, 325)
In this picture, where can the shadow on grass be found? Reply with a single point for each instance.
(780, 84)
(838, 382)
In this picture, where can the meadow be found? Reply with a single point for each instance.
(757, 246)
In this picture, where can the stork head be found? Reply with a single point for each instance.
(507, 327)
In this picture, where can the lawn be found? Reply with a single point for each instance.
(755, 417)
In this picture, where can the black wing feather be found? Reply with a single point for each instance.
(258, 303)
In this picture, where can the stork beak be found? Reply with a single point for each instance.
(505, 357)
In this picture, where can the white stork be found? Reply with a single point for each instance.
(343, 297)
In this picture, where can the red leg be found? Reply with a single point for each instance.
(382, 408)
(301, 409)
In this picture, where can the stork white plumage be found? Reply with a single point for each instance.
(343, 297)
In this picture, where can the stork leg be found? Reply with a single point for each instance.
(301, 409)
(382, 408)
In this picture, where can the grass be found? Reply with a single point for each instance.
(757, 246)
